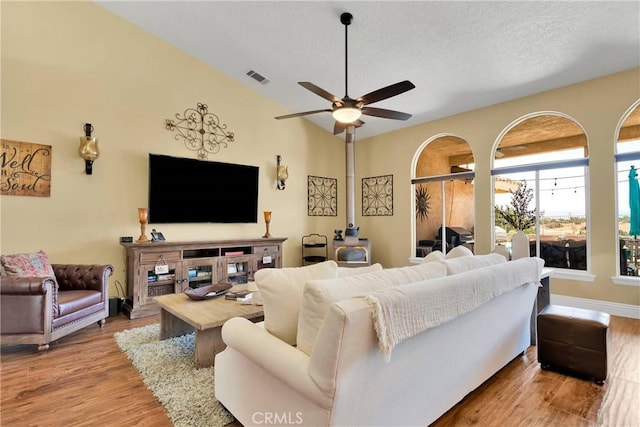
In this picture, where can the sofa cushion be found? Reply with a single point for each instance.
(465, 263)
(318, 295)
(27, 265)
(458, 251)
(351, 271)
(281, 292)
(433, 256)
(75, 301)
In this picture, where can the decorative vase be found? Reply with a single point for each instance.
(267, 220)
(143, 215)
(519, 245)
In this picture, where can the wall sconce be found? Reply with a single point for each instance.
(88, 148)
(282, 173)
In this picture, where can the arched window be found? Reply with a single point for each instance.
(444, 175)
(546, 156)
(627, 158)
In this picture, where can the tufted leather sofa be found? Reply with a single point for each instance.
(37, 310)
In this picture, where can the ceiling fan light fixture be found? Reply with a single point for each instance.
(347, 114)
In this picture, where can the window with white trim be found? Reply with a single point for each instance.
(551, 199)
(443, 192)
(627, 158)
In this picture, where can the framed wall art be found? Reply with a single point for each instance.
(322, 196)
(377, 196)
(26, 169)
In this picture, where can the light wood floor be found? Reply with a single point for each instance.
(85, 380)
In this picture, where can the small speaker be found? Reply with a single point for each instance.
(126, 239)
(115, 306)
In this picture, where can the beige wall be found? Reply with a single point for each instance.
(67, 63)
(598, 105)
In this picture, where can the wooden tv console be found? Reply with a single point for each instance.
(160, 268)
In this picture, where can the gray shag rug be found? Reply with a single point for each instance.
(168, 370)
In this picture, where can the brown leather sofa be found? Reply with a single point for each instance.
(37, 310)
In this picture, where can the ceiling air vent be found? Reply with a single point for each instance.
(257, 77)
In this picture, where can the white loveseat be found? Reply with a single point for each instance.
(339, 373)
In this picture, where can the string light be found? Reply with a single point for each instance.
(555, 185)
(574, 188)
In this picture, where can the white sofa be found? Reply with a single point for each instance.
(346, 379)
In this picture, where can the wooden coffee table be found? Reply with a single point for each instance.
(180, 315)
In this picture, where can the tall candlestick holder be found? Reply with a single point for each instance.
(143, 215)
(267, 220)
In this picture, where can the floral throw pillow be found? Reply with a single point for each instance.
(27, 265)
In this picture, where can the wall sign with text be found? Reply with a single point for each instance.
(26, 169)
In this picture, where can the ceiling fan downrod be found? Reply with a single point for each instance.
(346, 19)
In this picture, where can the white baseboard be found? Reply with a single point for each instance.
(614, 308)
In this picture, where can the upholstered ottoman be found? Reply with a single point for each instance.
(574, 340)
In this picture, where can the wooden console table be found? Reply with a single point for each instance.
(160, 268)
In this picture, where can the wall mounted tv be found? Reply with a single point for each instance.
(195, 191)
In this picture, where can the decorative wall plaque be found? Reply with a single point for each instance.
(377, 196)
(26, 169)
(200, 130)
(322, 194)
(423, 203)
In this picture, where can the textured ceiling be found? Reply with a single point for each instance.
(460, 55)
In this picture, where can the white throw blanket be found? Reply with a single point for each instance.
(404, 311)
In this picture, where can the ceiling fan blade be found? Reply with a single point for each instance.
(319, 91)
(387, 114)
(304, 113)
(386, 92)
(339, 127)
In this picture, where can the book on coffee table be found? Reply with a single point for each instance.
(236, 295)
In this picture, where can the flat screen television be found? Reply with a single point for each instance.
(195, 191)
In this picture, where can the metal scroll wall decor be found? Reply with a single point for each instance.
(377, 196)
(201, 130)
(322, 194)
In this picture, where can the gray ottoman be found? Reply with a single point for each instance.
(574, 341)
